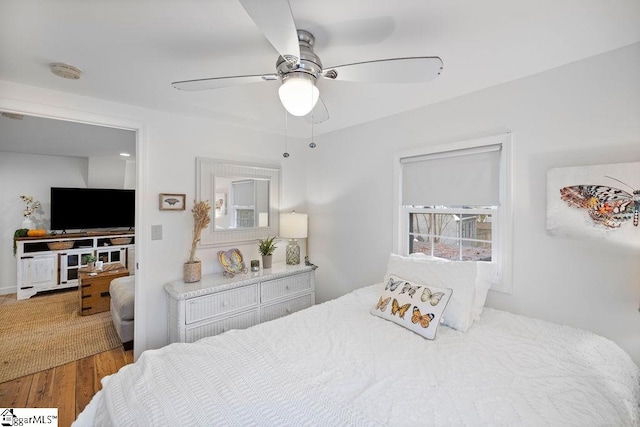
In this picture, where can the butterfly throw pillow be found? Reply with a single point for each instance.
(460, 276)
(415, 307)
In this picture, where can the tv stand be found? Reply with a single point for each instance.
(52, 262)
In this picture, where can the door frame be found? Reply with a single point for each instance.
(139, 127)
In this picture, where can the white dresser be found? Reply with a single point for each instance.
(217, 304)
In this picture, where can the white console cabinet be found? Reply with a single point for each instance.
(217, 304)
(43, 268)
(38, 271)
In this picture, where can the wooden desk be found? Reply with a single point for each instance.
(93, 289)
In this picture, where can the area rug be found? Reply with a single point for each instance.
(45, 331)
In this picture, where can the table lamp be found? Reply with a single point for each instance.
(293, 226)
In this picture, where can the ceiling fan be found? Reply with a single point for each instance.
(299, 68)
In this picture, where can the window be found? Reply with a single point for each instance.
(454, 202)
(463, 234)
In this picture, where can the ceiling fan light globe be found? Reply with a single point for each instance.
(298, 95)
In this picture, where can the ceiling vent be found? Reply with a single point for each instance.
(65, 71)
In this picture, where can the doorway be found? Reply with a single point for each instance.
(60, 115)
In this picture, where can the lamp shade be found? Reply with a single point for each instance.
(293, 225)
(298, 94)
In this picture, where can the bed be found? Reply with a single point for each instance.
(340, 363)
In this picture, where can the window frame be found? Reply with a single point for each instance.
(502, 217)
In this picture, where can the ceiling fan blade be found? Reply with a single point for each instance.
(419, 69)
(319, 114)
(218, 82)
(275, 19)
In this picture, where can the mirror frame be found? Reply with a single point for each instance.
(206, 171)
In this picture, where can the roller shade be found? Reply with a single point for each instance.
(243, 193)
(466, 177)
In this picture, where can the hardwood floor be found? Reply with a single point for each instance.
(67, 387)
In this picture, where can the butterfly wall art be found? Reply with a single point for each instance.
(595, 201)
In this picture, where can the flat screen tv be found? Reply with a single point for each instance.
(91, 208)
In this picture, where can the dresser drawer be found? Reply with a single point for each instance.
(201, 308)
(280, 309)
(207, 329)
(278, 288)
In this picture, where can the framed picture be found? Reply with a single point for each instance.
(220, 204)
(595, 201)
(172, 202)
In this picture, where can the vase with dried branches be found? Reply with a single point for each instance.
(201, 218)
(31, 207)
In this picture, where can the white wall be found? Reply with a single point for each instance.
(130, 175)
(30, 174)
(579, 114)
(171, 144)
(106, 172)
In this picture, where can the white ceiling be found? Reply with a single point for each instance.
(38, 135)
(131, 51)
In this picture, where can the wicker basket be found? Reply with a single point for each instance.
(59, 246)
(192, 272)
(120, 240)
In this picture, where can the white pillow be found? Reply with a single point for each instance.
(484, 277)
(417, 308)
(460, 276)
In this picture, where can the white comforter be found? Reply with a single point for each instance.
(336, 364)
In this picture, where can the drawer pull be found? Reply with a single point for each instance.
(287, 287)
(105, 294)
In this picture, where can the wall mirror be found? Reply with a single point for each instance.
(244, 199)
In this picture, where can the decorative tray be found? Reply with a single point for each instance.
(232, 262)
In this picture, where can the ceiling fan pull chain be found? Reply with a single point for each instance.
(286, 134)
(312, 144)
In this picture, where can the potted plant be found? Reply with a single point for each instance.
(192, 271)
(21, 232)
(89, 260)
(266, 248)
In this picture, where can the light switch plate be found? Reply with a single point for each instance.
(156, 232)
